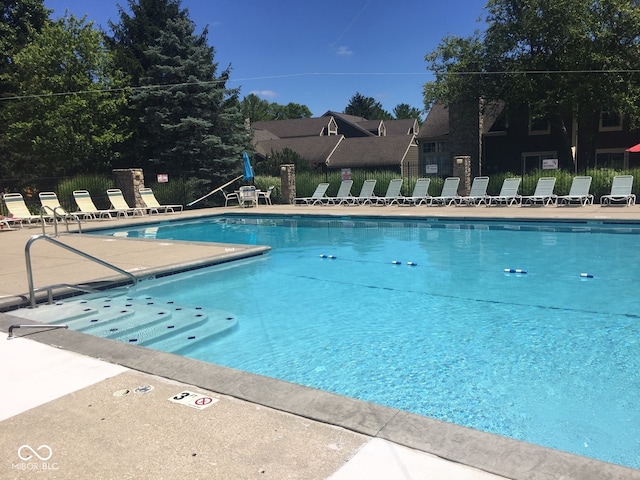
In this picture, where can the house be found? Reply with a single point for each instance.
(518, 142)
(340, 141)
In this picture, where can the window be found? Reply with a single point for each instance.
(610, 121)
(610, 159)
(433, 147)
(533, 160)
(435, 159)
(539, 125)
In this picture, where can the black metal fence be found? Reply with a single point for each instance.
(183, 191)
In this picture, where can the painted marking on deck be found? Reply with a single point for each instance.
(193, 400)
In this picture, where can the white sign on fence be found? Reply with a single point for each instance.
(432, 169)
(549, 163)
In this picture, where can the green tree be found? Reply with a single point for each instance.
(20, 20)
(184, 118)
(366, 107)
(290, 110)
(405, 111)
(255, 109)
(64, 119)
(259, 110)
(554, 59)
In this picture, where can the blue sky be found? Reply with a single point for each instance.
(318, 54)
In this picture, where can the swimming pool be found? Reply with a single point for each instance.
(547, 356)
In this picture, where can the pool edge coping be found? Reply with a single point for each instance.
(485, 451)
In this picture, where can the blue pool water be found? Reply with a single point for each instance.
(547, 356)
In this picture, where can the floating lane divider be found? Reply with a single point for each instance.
(393, 262)
(398, 262)
(515, 270)
(586, 275)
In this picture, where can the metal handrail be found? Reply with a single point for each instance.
(49, 289)
(27, 254)
(46, 325)
(64, 215)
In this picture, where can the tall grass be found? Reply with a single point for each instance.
(96, 185)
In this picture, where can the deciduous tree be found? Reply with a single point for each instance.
(64, 117)
(552, 58)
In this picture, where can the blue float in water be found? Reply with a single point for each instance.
(412, 264)
(396, 262)
(514, 270)
(586, 275)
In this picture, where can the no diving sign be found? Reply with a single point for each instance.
(193, 400)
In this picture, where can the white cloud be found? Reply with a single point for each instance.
(264, 93)
(343, 50)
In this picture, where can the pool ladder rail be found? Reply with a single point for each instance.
(49, 289)
(45, 326)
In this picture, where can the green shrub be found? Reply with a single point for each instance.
(177, 191)
(96, 185)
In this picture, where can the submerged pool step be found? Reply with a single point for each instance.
(183, 339)
(59, 312)
(140, 320)
(149, 327)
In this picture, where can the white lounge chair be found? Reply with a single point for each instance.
(620, 191)
(393, 193)
(420, 193)
(508, 193)
(478, 193)
(316, 198)
(578, 193)
(51, 205)
(343, 195)
(449, 194)
(87, 209)
(543, 194)
(119, 204)
(154, 206)
(366, 194)
(18, 209)
(8, 223)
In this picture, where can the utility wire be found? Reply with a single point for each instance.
(309, 74)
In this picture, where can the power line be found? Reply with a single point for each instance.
(310, 74)
(541, 72)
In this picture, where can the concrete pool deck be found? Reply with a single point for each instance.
(64, 392)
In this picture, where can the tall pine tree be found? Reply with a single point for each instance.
(184, 118)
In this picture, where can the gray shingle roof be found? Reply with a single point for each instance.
(371, 151)
(403, 126)
(315, 150)
(437, 122)
(295, 127)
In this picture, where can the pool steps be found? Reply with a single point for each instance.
(144, 321)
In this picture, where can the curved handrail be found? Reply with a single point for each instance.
(44, 325)
(27, 254)
(64, 215)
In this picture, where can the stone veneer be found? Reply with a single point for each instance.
(288, 180)
(130, 181)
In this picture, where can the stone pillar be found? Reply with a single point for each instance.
(288, 183)
(130, 181)
(465, 132)
(462, 169)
